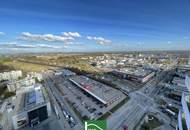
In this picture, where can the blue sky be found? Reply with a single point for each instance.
(94, 25)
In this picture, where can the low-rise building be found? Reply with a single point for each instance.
(135, 74)
(66, 72)
(100, 92)
(30, 108)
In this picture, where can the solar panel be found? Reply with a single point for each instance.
(31, 97)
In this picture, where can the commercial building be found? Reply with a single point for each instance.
(12, 75)
(135, 74)
(100, 92)
(64, 72)
(179, 81)
(184, 115)
(31, 108)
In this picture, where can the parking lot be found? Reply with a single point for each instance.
(86, 104)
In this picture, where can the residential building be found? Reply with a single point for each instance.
(20, 84)
(12, 75)
(184, 115)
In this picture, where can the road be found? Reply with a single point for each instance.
(140, 103)
(63, 123)
(61, 105)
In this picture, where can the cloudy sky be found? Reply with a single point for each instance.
(94, 25)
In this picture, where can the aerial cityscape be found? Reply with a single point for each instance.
(95, 65)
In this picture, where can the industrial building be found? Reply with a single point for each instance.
(31, 108)
(184, 115)
(102, 93)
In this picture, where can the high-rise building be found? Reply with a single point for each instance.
(184, 115)
(187, 82)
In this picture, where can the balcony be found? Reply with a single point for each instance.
(181, 122)
(186, 108)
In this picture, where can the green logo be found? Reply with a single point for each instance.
(95, 125)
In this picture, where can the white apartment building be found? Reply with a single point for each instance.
(36, 75)
(21, 84)
(184, 115)
(187, 82)
(12, 75)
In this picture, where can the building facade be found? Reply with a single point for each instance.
(16, 85)
(184, 115)
(34, 107)
(12, 75)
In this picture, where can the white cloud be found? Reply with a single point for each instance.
(16, 45)
(71, 34)
(169, 42)
(2, 33)
(99, 40)
(45, 37)
(185, 37)
(140, 43)
(49, 46)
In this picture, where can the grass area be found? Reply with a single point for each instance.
(27, 67)
(4, 93)
(151, 124)
(4, 67)
(75, 62)
(9, 94)
(42, 63)
(3, 89)
(161, 102)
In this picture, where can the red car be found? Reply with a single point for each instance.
(125, 127)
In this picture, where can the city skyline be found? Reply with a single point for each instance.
(90, 26)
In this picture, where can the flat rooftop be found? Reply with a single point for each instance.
(33, 98)
(179, 80)
(101, 92)
(139, 72)
(29, 100)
